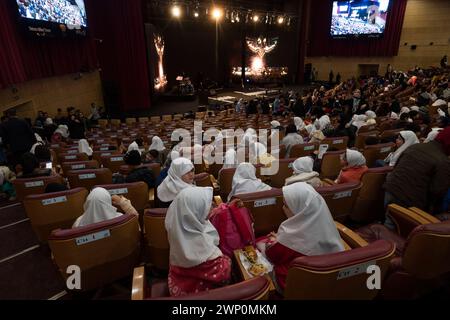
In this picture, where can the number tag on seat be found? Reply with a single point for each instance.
(87, 176)
(343, 194)
(72, 151)
(78, 166)
(338, 141)
(70, 157)
(265, 202)
(354, 271)
(104, 148)
(385, 149)
(92, 237)
(116, 159)
(308, 148)
(47, 202)
(118, 191)
(105, 154)
(33, 184)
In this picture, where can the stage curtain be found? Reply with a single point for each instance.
(321, 43)
(24, 58)
(118, 27)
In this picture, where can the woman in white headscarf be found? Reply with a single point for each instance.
(292, 138)
(134, 146)
(63, 130)
(359, 120)
(432, 134)
(354, 166)
(179, 177)
(83, 147)
(299, 124)
(393, 116)
(371, 115)
(324, 122)
(230, 160)
(99, 207)
(245, 181)
(157, 144)
(196, 262)
(303, 172)
(404, 140)
(39, 142)
(308, 231)
(404, 110)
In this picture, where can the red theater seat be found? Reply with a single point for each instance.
(340, 198)
(25, 187)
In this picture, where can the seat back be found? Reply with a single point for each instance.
(136, 192)
(331, 164)
(339, 143)
(367, 128)
(66, 157)
(156, 237)
(302, 150)
(203, 180)
(226, 181)
(57, 210)
(113, 162)
(266, 208)
(340, 198)
(78, 165)
(427, 251)
(390, 134)
(25, 187)
(369, 205)
(89, 178)
(105, 252)
(154, 167)
(97, 155)
(360, 140)
(338, 276)
(376, 152)
(284, 172)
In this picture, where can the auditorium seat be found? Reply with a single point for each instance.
(340, 198)
(360, 140)
(130, 121)
(105, 251)
(331, 164)
(369, 205)
(57, 210)
(78, 165)
(115, 122)
(422, 259)
(89, 178)
(157, 244)
(25, 187)
(367, 128)
(302, 150)
(338, 276)
(377, 152)
(66, 157)
(97, 155)
(284, 171)
(253, 289)
(136, 192)
(339, 143)
(390, 135)
(266, 208)
(143, 120)
(154, 167)
(113, 162)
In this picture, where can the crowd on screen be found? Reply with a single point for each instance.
(348, 26)
(60, 11)
(332, 110)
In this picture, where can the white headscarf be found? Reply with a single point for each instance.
(355, 158)
(324, 121)
(48, 121)
(38, 138)
(39, 142)
(303, 165)
(231, 160)
(410, 139)
(192, 238)
(311, 231)
(299, 123)
(439, 103)
(173, 184)
(359, 120)
(63, 130)
(432, 135)
(309, 128)
(245, 181)
(404, 110)
(134, 146)
(83, 147)
(157, 144)
(370, 114)
(393, 116)
(98, 207)
(292, 139)
(275, 124)
(415, 108)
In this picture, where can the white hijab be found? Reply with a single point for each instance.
(359, 120)
(192, 238)
(303, 165)
(299, 123)
(230, 159)
(63, 130)
(410, 139)
(275, 124)
(98, 207)
(393, 116)
(311, 231)
(133, 146)
(355, 158)
(324, 121)
(371, 114)
(432, 135)
(157, 144)
(245, 181)
(83, 147)
(292, 139)
(404, 110)
(173, 184)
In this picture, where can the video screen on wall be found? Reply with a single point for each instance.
(52, 17)
(359, 18)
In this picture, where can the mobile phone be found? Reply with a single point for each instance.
(48, 165)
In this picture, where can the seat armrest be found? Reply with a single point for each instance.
(328, 182)
(218, 200)
(214, 183)
(423, 214)
(139, 284)
(353, 239)
(404, 219)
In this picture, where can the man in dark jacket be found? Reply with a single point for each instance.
(18, 135)
(421, 176)
(133, 158)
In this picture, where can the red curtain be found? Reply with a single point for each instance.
(321, 43)
(24, 58)
(117, 26)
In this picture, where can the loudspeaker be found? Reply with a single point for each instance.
(413, 47)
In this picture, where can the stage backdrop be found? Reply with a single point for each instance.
(321, 43)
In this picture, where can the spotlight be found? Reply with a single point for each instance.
(217, 13)
(176, 11)
(196, 14)
(280, 20)
(255, 18)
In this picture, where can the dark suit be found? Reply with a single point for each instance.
(18, 135)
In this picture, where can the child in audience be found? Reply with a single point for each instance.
(354, 167)
(180, 176)
(245, 181)
(196, 262)
(303, 172)
(403, 141)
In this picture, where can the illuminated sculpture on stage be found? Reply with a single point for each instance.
(260, 47)
(161, 80)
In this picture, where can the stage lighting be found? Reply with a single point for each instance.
(176, 11)
(255, 18)
(217, 13)
(196, 14)
(280, 20)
